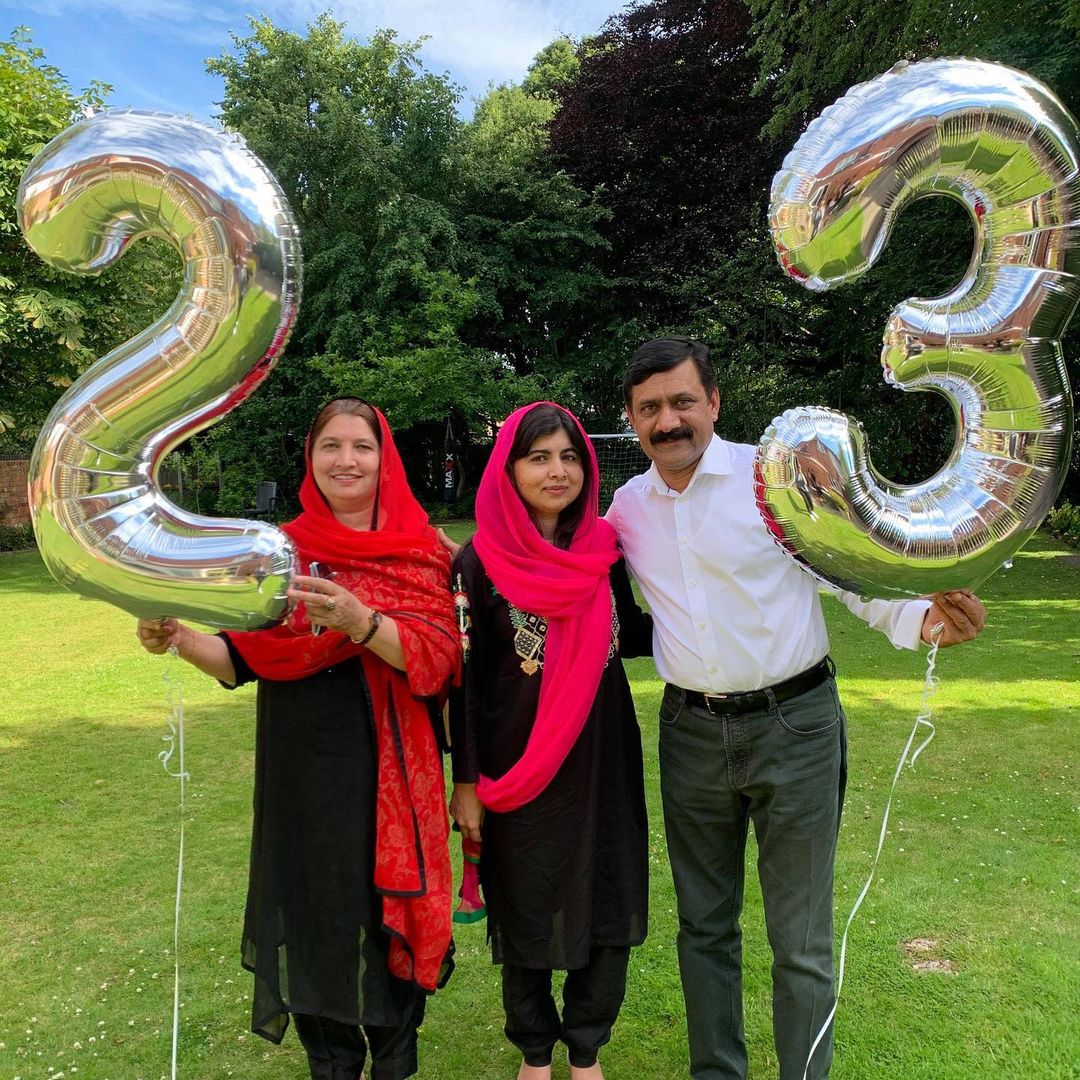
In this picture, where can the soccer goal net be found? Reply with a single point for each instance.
(619, 457)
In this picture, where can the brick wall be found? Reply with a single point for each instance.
(14, 509)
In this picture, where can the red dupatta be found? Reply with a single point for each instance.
(402, 571)
(570, 589)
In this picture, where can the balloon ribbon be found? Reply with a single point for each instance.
(906, 757)
(174, 740)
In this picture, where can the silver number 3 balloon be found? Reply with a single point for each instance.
(103, 527)
(1001, 143)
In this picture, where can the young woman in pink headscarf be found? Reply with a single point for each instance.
(546, 746)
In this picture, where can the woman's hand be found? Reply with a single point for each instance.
(447, 543)
(207, 652)
(467, 810)
(157, 636)
(334, 607)
(330, 605)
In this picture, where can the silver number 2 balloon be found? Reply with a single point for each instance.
(103, 527)
(1001, 143)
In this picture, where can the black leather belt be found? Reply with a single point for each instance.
(754, 700)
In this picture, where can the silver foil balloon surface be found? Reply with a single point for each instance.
(1002, 144)
(104, 528)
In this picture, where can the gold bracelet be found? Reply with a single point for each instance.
(375, 619)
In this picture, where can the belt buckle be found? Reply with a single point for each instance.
(720, 699)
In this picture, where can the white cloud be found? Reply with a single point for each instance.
(182, 19)
(479, 41)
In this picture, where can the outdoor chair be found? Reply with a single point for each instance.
(265, 500)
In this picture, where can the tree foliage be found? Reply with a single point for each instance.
(809, 54)
(661, 121)
(54, 324)
(661, 125)
(456, 268)
(446, 263)
(534, 244)
(362, 141)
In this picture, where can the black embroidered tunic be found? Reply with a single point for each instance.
(568, 870)
(313, 933)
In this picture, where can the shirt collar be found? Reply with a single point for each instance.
(716, 461)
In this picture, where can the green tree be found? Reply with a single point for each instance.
(554, 66)
(54, 324)
(809, 54)
(446, 262)
(365, 144)
(535, 248)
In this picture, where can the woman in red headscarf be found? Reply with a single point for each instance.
(546, 747)
(348, 914)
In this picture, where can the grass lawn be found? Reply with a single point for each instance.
(963, 963)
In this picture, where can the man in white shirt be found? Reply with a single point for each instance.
(751, 728)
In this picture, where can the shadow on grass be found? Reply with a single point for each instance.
(76, 757)
(23, 571)
(1044, 570)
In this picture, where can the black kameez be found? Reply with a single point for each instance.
(313, 932)
(569, 870)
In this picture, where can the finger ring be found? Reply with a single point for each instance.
(330, 604)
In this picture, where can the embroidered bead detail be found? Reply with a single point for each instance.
(530, 635)
(615, 628)
(464, 618)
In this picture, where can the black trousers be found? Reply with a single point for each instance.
(592, 997)
(337, 1051)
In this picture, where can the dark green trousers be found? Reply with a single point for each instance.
(783, 768)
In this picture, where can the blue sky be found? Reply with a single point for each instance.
(152, 51)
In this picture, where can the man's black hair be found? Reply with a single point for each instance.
(662, 354)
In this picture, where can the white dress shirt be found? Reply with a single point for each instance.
(731, 611)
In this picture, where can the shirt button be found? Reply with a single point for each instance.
(684, 540)
(701, 626)
(692, 582)
(712, 670)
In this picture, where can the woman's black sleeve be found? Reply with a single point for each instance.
(244, 674)
(635, 625)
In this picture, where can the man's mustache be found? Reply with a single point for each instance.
(681, 432)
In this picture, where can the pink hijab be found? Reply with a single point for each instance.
(570, 590)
